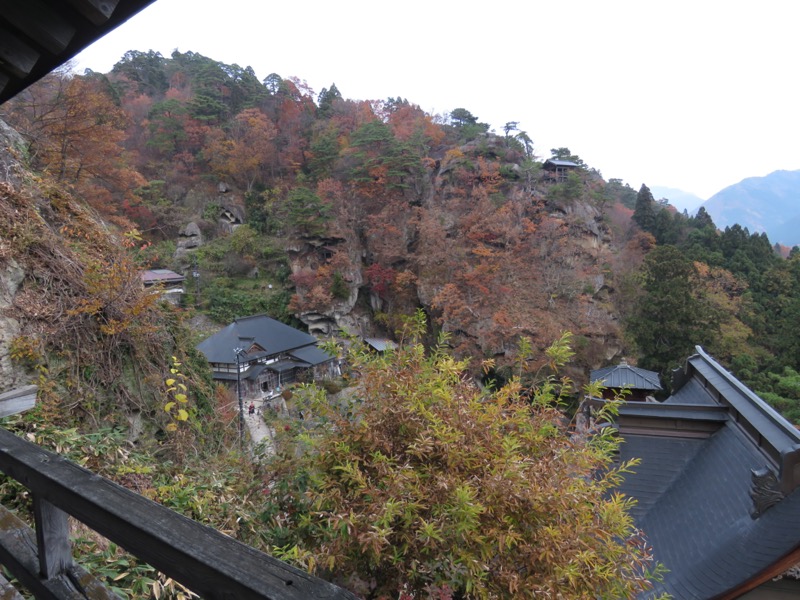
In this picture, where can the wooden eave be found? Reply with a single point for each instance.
(38, 36)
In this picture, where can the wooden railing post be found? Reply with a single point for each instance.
(52, 538)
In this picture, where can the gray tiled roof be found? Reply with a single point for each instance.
(663, 461)
(284, 366)
(694, 491)
(311, 355)
(39, 36)
(700, 525)
(380, 344)
(154, 276)
(624, 375)
(273, 336)
(692, 392)
(560, 163)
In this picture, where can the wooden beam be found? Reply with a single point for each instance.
(18, 400)
(52, 538)
(39, 23)
(8, 591)
(16, 57)
(771, 572)
(97, 11)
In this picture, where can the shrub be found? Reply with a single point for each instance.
(418, 483)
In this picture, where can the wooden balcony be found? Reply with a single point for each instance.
(206, 561)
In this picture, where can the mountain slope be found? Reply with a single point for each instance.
(768, 204)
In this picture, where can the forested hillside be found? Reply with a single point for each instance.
(349, 215)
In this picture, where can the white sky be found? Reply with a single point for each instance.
(691, 94)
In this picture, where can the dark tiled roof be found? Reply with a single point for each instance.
(700, 525)
(380, 344)
(311, 355)
(692, 392)
(560, 163)
(271, 335)
(253, 372)
(663, 461)
(283, 366)
(624, 375)
(694, 491)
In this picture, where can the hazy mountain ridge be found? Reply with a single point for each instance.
(769, 204)
(678, 198)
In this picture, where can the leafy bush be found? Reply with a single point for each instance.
(224, 304)
(339, 287)
(419, 484)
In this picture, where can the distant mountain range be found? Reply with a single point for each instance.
(768, 204)
(678, 198)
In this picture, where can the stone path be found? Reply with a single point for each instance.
(261, 435)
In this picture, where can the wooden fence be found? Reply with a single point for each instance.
(206, 561)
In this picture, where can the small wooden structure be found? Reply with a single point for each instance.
(169, 283)
(639, 383)
(380, 345)
(556, 171)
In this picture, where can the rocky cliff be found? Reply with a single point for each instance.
(488, 255)
(12, 375)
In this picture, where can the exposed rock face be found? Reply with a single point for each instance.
(192, 234)
(190, 238)
(340, 315)
(11, 375)
(12, 146)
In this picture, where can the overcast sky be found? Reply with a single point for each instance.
(690, 94)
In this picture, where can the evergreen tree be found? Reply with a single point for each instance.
(467, 125)
(327, 97)
(621, 192)
(307, 213)
(645, 212)
(565, 154)
(673, 315)
(666, 227)
(146, 69)
(702, 219)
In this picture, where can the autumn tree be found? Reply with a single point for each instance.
(294, 111)
(247, 152)
(418, 483)
(73, 123)
(76, 130)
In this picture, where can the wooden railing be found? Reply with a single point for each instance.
(207, 562)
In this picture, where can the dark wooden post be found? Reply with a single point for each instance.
(52, 538)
